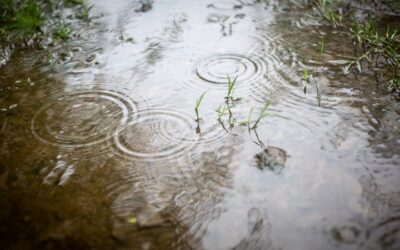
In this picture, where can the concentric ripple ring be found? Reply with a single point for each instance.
(82, 118)
(157, 134)
(216, 68)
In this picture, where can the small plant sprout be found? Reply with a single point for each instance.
(263, 114)
(231, 89)
(306, 77)
(378, 48)
(247, 122)
(221, 111)
(63, 32)
(329, 13)
(84, 13)
(197, 106)
(394, 83)
(230, 100)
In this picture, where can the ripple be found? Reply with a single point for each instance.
(161, 134)
(81, 118)
(156, 134)
(386, 233)
(214, 70)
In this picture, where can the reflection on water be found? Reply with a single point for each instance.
(100, 147)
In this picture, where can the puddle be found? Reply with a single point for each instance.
(100, 147)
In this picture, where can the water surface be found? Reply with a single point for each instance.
(100, 147)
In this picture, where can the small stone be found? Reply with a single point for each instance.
(150, 217)
(272, 158)
(12, 106)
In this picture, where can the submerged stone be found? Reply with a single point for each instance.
(271, 158)
(145, 6)
(150, 217)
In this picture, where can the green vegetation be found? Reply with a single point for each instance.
(231, 89)
(197, 105)
(28, 18)
(24, 20)
(329, 13)
(376, 48)
(221, 110)
(227, 107)
(248, 121)
(262, 115)
(84, 12)
(62, 32)
(21, 19)
(225, 113)
(230, 100)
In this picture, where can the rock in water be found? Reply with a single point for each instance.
(150, 217)
(271, 158)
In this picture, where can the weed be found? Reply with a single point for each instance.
(229, 99)
(394, 83)
(248, 121)
(262, 115)
(197, 105)
(35, 20)
(76, 1)
(221, 110)
(63, 32)
(333, 16)
(379, 49)
(84, 12)
(24, 21)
